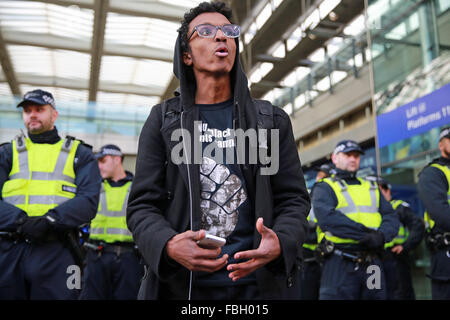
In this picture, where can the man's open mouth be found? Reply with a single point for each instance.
(222, 51)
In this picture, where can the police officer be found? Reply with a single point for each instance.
(396, 260)
(112, 270)
(434, 192)
(49, 187)
(357, 222)
(311, 264)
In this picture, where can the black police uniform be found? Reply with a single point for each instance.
(39, 270)
(433, 187)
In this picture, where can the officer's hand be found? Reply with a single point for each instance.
(183, 248)
(397, 249)
(269, 249)
(34, 228)
(373, 240)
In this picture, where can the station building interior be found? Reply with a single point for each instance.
(375, 71)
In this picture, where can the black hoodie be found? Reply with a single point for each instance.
(165, 197)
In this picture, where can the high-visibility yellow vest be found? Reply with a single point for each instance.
(320, 234)
(42, 175)
(428, 221)
(311, 218)
(403, 232)
(359, 202)
(110, 225)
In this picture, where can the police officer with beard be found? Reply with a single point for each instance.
(49, 188)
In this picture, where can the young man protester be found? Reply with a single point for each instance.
(179, 195)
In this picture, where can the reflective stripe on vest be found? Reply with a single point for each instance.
(358, 202)
(429, 223)
(109, 225)
(403, 232)
(42, 175)
(311, 220)
(320, 235)
(21, 200)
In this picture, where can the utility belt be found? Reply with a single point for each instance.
(310, 256)
(327, 248)
(18, 237)
(359, 257)
(68, 239)
(10, 236)
(438, 241)
(117, 248)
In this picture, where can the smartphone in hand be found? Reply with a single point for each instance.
(211, 242)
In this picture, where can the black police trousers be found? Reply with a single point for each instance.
(109, 276)
(37, 272)
(440, 274)
(347, 280)
(398, 276)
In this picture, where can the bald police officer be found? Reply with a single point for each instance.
(357, 222)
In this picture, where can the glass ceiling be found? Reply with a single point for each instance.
(50, 46)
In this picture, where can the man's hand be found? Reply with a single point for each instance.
(183, 248)
(269, 249)
(397, 249)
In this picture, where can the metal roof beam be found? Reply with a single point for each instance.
(324, 33)
(268, 84)
(284, 16)
(138, 52)
(8, 69)
(63, 43)
(152, 9)
(346, 11)
(98, 37)
(83, 84)
(85, 4)
(267, 58)
(251, 8)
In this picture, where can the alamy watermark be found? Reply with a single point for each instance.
(251, 147)
(374, 280)
(74, 278)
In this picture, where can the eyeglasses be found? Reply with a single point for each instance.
(209, 31)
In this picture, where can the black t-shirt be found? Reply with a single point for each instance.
(226, 210)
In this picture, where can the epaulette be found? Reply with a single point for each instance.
(86, 145)
(435, 160)
(81, 141)
(405, 204)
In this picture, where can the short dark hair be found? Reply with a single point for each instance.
(214, 6)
